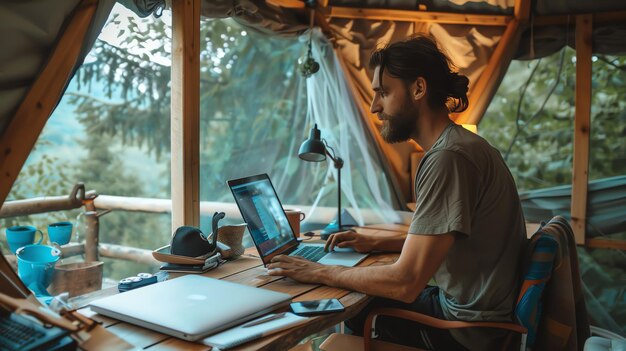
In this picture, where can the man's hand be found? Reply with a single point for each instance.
(297, 268)
(357, 241)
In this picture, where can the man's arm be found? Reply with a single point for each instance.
(403, 280)
(367, 240)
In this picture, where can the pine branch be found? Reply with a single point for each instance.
(611, 63)
(94, 99)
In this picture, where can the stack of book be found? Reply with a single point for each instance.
(209, 263)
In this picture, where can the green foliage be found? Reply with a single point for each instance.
(135, 77)
(251, 99)
(103, 170)
(46, 177)
(123, 98)
(531, 119)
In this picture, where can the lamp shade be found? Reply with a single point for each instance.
(313, 149)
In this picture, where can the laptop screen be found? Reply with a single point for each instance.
(261, 209)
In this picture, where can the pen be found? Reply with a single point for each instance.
(264, 320)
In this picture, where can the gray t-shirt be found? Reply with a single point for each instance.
(463, 185)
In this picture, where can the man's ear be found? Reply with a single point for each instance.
(418, 88)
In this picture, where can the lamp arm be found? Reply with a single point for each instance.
(337, 161)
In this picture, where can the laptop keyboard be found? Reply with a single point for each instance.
(311, 253)
(14, 336)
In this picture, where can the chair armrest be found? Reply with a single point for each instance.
(430, 321)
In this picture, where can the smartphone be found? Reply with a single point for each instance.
(316, 307)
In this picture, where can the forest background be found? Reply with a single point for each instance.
(112, 131)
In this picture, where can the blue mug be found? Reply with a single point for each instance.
(35, 266)
(60, 232)
(22, 235)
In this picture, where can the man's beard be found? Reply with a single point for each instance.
(399, 128)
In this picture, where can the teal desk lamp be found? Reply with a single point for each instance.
(315, 149)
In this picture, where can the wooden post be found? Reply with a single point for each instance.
(31, 116)
(185, 113)
(522, 10)
(582, 125)
(92, 232)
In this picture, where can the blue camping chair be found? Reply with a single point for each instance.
(539, 262)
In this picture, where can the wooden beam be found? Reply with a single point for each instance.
(606, 244)
(322, 22)
(413, 16)
(291, 4)
(582, 126)
(598, 18)
(483, 90)
(294, 4)
(522, 10)
(185, 131)
(32, 114)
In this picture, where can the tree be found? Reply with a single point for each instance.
(46, 176)
(531, 119)
(124, 99)
(103, 170)
(247, 83)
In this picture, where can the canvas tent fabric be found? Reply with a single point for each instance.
(331, 106)
(40, 23)
(30, 30)
(469, 47)
(605, 211)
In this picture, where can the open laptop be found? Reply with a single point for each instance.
(190, 307)
(26, 333)
(271, 232)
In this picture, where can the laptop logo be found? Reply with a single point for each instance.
(196, 297)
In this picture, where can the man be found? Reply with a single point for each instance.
(467, 232)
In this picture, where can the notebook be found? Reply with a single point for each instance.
(270, 230)
(190, 307)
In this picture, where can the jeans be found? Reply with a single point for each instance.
(406, 332)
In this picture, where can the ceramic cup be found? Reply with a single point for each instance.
(295, 216)
(35, 266)
(22, 235)
(232, 235)
(60, 232)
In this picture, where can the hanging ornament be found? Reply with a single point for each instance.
(307, 64)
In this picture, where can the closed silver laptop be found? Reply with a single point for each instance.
(190, 307)
(270, 230)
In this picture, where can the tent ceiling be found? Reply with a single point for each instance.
(492, 7)
(471, 31)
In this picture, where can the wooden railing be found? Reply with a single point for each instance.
(95, 206)
(91, 247)
(76, 199)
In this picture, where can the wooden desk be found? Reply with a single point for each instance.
(248, 270)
